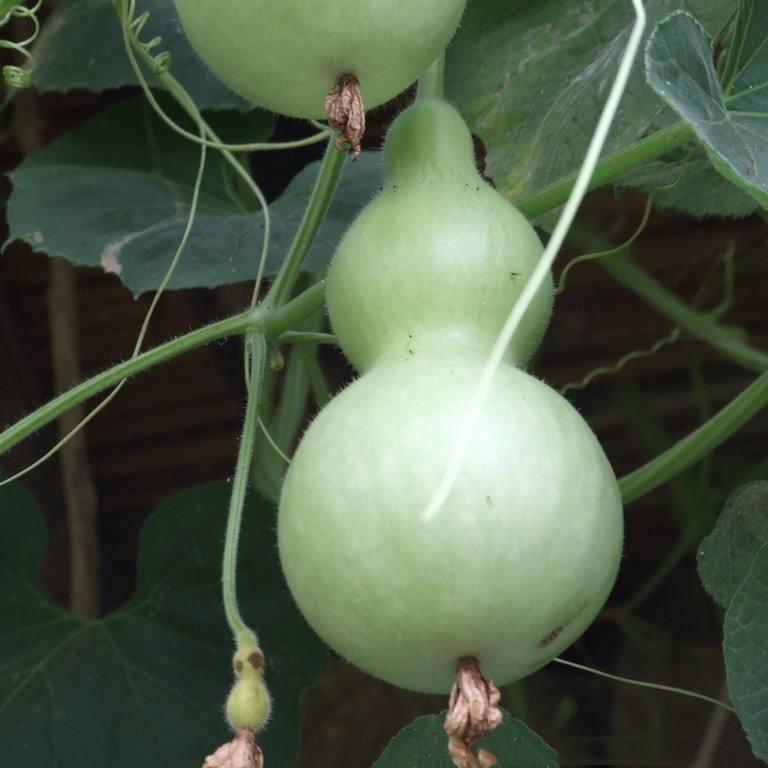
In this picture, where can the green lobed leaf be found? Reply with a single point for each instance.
(116, 192)
(81, 47)
(532, 77)
(745, 642)
(423, 744)
(725, 557)
(146, 685)
(730, 119)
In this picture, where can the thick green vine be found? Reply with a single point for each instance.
(698, 444)
(259, 320)
(608, 169)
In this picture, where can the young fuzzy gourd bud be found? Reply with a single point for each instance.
(249, 704)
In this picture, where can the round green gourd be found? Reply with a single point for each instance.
(287, 55)
(438, 257)
(512, 569)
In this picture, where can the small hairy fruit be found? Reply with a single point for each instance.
(248, 704)
(526, 547)
(287, 55)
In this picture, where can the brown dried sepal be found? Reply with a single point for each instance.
(346, 114)
(241, 752)
(473, 714)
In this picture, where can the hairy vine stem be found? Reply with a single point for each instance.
(431, 82)
(272, 323)
(256, 350)
(317, 207)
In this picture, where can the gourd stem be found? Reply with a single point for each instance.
(271, 323)
(317, 207)
(256, 349)
(698, 444)
(431, 82)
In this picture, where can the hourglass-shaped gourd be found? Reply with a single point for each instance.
(522, 554)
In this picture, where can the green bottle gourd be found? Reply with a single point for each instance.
(523, 553)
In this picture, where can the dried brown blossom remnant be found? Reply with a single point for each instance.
(346, 113)
(241, 752)
(473, 714)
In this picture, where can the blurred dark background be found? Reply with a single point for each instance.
(177, 426)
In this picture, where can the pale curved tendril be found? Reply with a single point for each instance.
(638, 354)
(14, 75)
(544, 266)
(188, 104)
(161, 65)
(632, 238)
(144, 326)
(272, 443)
(674, 335)
(644, 684)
